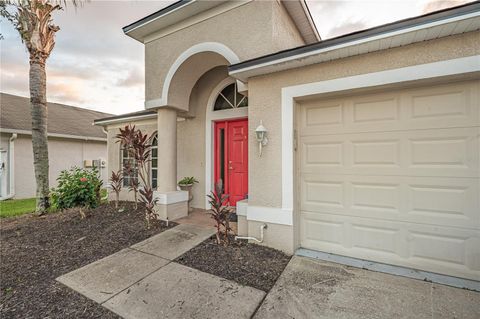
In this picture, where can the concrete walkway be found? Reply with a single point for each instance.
(143, 282)
(311, 288)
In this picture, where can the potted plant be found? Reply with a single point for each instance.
(186, 184)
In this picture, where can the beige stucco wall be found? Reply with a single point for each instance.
(284, 33)
(191, 134)
(63, 154)
(265, 174)
(268, 30)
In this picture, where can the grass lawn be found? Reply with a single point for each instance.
(16, 207)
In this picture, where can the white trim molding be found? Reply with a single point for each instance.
(401, 37)
(126, 119)
(57, 135)
(270, 215)
(210, 118)
(170, 197)
(460, 66)
(214, 47)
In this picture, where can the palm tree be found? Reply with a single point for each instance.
(33, 21)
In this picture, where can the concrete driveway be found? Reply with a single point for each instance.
(310, 288)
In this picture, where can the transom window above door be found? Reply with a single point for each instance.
(229, 98)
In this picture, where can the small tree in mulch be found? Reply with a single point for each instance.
(221, 214)
(139, 146)
(116, 180)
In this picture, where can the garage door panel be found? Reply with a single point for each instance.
(394, 177)
(425, 200)
(441, 152)
(439, 249)
(442, 106)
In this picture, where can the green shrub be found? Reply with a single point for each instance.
(188, 181)
(77, 187)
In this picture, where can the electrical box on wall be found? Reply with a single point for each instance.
(87, 163)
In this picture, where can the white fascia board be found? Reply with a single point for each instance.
(58, 135)
(126, 119)
(159, 17)
(198, 18)
(238, 73)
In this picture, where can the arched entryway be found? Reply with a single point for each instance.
(227, 110)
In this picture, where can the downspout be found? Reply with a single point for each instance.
(262, 228)
(100, 170)
(11, 167)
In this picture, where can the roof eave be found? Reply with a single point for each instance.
(290, 58)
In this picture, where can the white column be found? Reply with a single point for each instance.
(167, 150)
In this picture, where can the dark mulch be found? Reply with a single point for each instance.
(246, 263)
(36, 250)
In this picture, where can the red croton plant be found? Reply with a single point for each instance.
(220, 213)
(139, 146)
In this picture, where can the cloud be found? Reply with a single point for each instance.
(346, 28)
(94, 65)
(134, 77)
(92, 62)
(435, 5)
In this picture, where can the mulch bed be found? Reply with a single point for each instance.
(245, 263)
(36, 250)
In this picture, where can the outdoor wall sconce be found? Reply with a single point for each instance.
(261, 133)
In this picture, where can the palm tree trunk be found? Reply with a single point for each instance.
(38, 109)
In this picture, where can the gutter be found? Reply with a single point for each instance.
(429, 20)
(156, 15)
(11, 167)
(75, 137)
(122, 119)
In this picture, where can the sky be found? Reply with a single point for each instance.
(95, 66)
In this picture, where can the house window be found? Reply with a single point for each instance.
(229, 98)
(128, 161)
(154, 163)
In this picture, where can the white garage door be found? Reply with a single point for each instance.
(393, 177)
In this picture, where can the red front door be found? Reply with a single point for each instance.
(231, 158)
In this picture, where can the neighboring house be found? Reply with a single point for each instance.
(72, 141)
(373, 137)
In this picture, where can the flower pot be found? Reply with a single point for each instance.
(188, 188)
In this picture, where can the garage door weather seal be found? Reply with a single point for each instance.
(390, 269)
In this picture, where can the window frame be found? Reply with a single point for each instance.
(235, 103)
(127, 178)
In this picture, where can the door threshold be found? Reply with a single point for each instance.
(391, 269)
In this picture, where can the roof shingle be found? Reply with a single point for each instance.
(62, 119)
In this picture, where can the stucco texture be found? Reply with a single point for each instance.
(268, 30)
(191, 135)
(265, 173)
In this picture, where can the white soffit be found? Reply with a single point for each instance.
(417, 33)
(298, 11)
(167, 17)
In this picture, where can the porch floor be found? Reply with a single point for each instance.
(202, 217)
